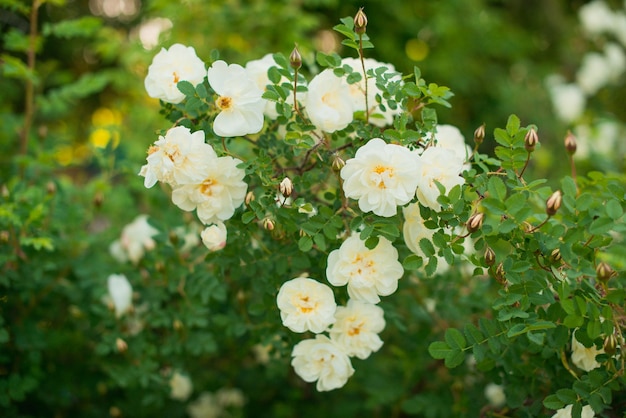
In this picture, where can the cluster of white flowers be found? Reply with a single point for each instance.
(135, 240)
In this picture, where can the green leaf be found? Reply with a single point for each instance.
(427, 247)
(496, 188)
(553, 402)
(566, 395)
(412, 262)
(512, 125)
(439, 350)
(502, 137)
(601, 225)
(305, 243)
(274, 75)
(454, 359)
(614, 209)
(354, 77)
(82, 27)
(455, 338)
(186, 88)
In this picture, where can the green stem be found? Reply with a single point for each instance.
(362, 58)
(29, 99)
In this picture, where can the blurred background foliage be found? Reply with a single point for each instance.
(69, 185)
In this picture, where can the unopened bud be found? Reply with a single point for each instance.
(173, 237)
(4, 236)
(490, 257)
(286, 187)
(51, 188)
(570, 143)
(98, 199)
(360, 22)
(500, 275)
(479, 135)
(177, 325)
(555, 256)
(121, 345)
(268, 224)
(475, 222)
(530, 140)
(249, 198)
(610, 344)
(553, 203)
(115, 412)
(604, 272)
(295, 59)
(338, 163)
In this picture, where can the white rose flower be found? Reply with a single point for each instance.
(368, 273)
(328, 102)
(135, 240)
(414, 229)
(585, 358)
(356, 328)
(594, 73)
(323, 361)
(179, 157)
(120, 292)
(306, 305)
(180, 387)
(450, 137)
(230, 397)
(257, 71)
(568, 100)
(615, 60)
(214, 236)
(566, 412)
(378, 117)
(441, 165)
(171, 66)
(381, 176)
(596, 17)
(205, 406)
(495, 395)
(220, 193)
(240, 102)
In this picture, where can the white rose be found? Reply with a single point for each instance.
(180, 387)
(568, 100)
(368, 273)
(205, 406)
(240, 102)
(584, 358)
(378, 116)
(120, 292)
(135, 240)
(596, 17)
(381, 176)
(328, 102)
(306, 305)
(356, 328)
(171, 66)
(220, 193)
(214, 236)
(450, 137)
(179, 157)
(566, 412)
(323, 361)
(441, 165)
(495, 395)
(594, 73)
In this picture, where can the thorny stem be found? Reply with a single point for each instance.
(367, 107)
(29, 106)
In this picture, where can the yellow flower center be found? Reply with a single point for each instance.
(304, 308)
(176, 78)
(205, 187)
(224, 103)
(381, 170)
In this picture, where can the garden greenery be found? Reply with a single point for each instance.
(331, 234)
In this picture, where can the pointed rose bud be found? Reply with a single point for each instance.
(51, 188)
(500, 275)
(570, 143)
(479, 135)
(249, 198)
(286, 187)
(98, 199)
(475, 222)
(553, 203)
(610, 344)
(490, 257)
(177, 325)
(555, 256)
(268, 224)
(530, 140)
(360, 22)
(121, 345)
(604, 272)
(295, 59)
(338, 163)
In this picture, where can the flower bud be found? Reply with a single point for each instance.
(268, 224)
(570, 143)
(286, 187)
(51, 188)
(610, 344)
(553, 203)
(555, 256)
(530, 140)
(475, 222)
(500, 275)
(249, 198)
(490, 257)
(4, 236)
(604, 272)
(338, 163)
(177, 324)
(295, 59)
(121, 345)
(360, 22)
(98, 199)
(479, 135)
